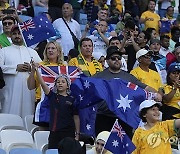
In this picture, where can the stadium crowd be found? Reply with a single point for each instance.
(129, 39)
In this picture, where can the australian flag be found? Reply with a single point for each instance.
(118, 141)
(49, 74)
(123, 98)
(37, 29)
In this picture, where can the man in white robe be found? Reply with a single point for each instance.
(15, 64)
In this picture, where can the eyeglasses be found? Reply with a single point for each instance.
(113, 58)
(7, 23)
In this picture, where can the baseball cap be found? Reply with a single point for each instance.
(104, 135)
(142, 52)
(173, 67)
(14, 28)
(154, 41)
(147, 104)
(111, 50)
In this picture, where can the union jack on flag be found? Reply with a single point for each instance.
(118, 141)
(25, 26)
(117, 128)
(49, 74)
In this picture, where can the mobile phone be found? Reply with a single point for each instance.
(8, 11)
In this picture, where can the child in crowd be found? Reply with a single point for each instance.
(154, 136)
(64, 119)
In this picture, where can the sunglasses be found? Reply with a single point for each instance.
(113, 58)
(7, 23)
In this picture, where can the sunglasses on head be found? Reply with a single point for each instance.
(7, 23)
(113, 58)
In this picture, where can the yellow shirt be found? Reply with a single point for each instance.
(6, 6)
(87, 66)
(151, 24)
(175, 100)
(150, 78)
(155, 140)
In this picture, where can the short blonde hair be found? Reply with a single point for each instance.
(60, 58)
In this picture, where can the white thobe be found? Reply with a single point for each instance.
(17, 98)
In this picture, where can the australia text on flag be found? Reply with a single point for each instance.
(37, 29)
(118, 141)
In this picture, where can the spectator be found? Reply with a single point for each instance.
(102, 15)
(85, 60)
(143, 39)
(66, 40)
(105, 118)
(158, 62)
(26, 7)
(150, 18)
(40, 7)
(100, 38)
(143, 73)
(73, 53)
(152, 32)
(162, 7)
(8, 22)
(76, 9)
(52, 57)
(101, 140)
(164, 50)
(4, 5)
(14, 61)
(149, 113)
(171, 92)
(64, 118)
(55, 8)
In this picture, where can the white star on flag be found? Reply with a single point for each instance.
(94, 109)
(88, 127)
(80, 97)
(40, 26)
(86, 84)
(41, 19)
(30, 36)
(115, 143)
(124, 102)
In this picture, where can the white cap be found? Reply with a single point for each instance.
(141, 52)
(147, 104)
(104, 135)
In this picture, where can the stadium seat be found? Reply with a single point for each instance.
(41, 140)
(2, 151)
(11, 121)
(24, 151)
(16, 139)
(30, 127)
(52, 151)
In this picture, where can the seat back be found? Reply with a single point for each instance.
(16, 138)
(24, 151)
(41, 140)
(30, 127)
(2, 151)
(52, 151)
(11, 121)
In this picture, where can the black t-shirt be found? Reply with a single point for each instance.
(61, 112)
(106, 74)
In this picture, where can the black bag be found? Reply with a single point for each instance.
(75, 40)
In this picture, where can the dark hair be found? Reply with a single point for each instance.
(177, 44)
(85, 39)
(169, 7)
(153, 1)
(169, 82)
(113, 39)
(149, 30)
(9, 18)
(73, 53)
(174, 29)
(130, 24)
(147, 36)
(162, 37)
(144, 111)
